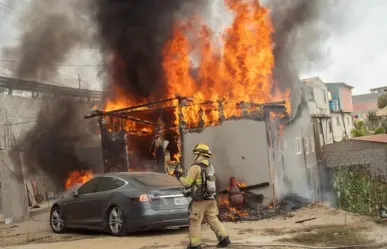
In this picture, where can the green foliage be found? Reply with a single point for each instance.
(357, 191)
(382, 101)
(379, 130)
(358, 133)
(359, 130)
(372, 117)
(359, 124)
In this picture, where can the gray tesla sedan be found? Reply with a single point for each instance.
(124, 202)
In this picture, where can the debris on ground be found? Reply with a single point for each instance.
(283, 209)
(328, 235)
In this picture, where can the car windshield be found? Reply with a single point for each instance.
(156, 180)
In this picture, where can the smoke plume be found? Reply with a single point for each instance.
(135, 31)
(50, 31)
(52, 144)
(301, 29)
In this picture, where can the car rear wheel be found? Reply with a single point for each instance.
(116, 222)
(56, 220)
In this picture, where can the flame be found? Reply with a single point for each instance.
(224, 201)
(240, 71)
(228, 77)
(232, 212)
(78, 177)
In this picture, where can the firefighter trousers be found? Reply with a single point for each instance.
(208, 210)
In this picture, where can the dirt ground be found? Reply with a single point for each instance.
(36, 234)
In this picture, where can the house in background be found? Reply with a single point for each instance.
(317, 96)
(364, 103)
(341, 108)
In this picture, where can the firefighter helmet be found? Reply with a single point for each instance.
(202, 149)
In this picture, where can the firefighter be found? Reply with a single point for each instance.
(201, 179)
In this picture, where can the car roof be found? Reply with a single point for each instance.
(128, 175)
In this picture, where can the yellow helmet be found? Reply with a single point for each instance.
(202, 149)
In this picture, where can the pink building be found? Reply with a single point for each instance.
(364, 103)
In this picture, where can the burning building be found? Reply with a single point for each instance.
(188, 90)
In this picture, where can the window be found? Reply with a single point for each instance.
(88, 187)
(109, 183)
(306, 144)
(330, 126)
(298, 146)
(338, 121)
(156, 180)
(312, 143)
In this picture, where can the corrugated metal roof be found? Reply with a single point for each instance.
(380, 138)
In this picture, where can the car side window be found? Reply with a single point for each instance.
(109, 183)
(88, 187)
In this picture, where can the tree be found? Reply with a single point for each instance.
(382, 101)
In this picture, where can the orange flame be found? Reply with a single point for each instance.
(238, 71)
(78, 177)
(241, 71)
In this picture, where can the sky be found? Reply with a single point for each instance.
(356, 55)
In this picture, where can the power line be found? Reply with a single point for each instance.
(59, 65)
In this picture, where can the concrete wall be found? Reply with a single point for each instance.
(15, 202)
(353, 152)
(240, 150)
(299, 157)
(342, 124)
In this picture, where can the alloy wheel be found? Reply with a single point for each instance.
(116, 220)
(57, 222)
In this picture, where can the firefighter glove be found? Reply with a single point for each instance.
(177, 173)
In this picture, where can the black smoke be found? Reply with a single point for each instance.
(50, 32)
(135, 32)
(52, 144)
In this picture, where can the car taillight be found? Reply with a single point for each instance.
(144, 198)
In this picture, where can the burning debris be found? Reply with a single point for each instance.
(78, 177)
(237, 203)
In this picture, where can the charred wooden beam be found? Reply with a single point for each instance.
(143, 105)
(251, 187)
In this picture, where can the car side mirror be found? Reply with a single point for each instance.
(75, 193)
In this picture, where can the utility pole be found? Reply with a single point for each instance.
(79, 82)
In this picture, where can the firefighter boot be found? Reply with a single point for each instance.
(225, 242)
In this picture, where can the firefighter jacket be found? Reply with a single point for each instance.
(193, 178)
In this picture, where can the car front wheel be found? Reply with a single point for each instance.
(56, 220)
(116, 222)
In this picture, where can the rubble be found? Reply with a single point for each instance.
(282, 208)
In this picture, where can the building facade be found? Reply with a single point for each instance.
(341, 106)
(364, 103)
(318, 98)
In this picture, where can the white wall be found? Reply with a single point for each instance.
(240, 149)
(342, 125)
(299, 157)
